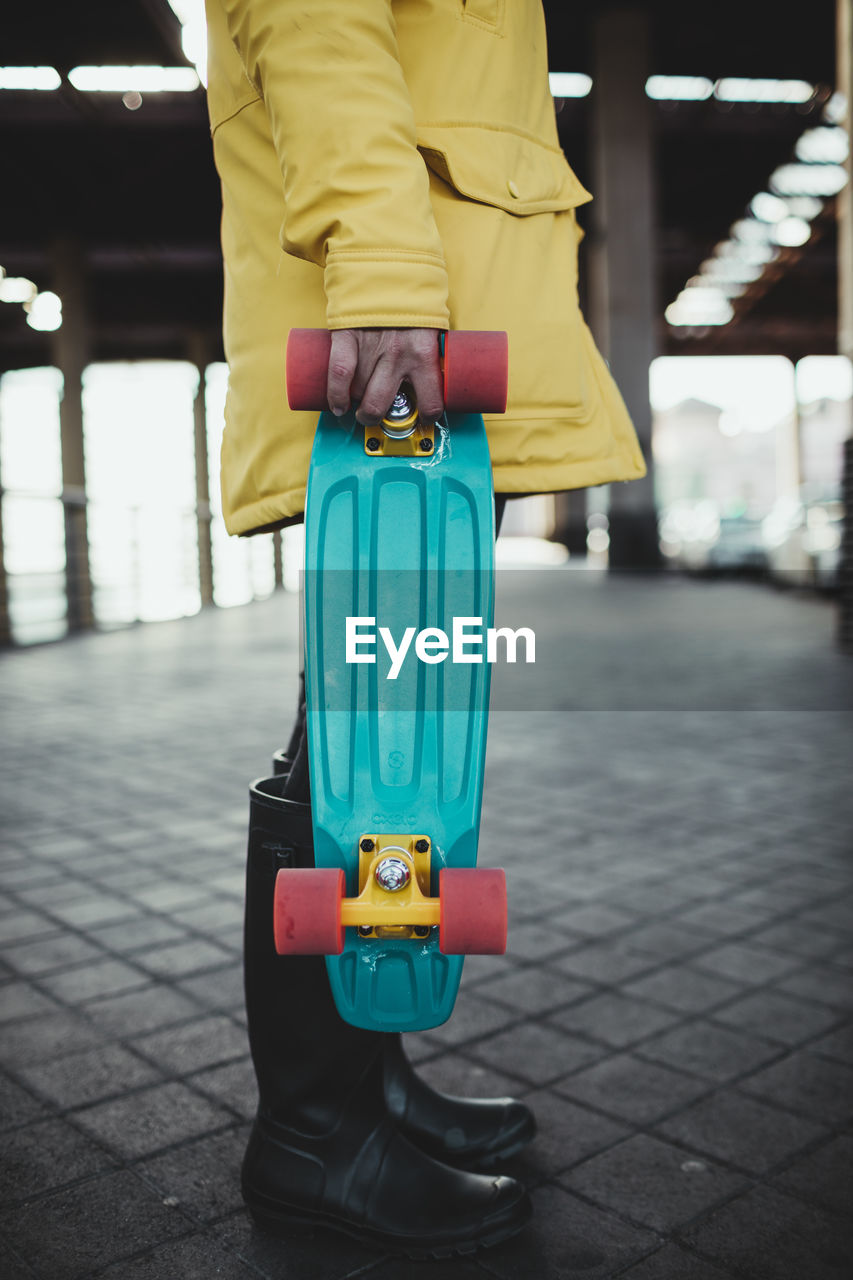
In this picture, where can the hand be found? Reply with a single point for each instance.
(368, 365)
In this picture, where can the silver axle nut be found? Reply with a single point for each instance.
(393, 874)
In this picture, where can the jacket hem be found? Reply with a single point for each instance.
(519, 478)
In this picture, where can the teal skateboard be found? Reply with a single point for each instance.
(399, 593)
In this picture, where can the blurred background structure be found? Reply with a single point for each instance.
(718, 151)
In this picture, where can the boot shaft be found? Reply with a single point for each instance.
(308, 1062)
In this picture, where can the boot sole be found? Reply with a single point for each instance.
(283, 1223)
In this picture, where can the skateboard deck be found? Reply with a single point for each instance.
(399, 535)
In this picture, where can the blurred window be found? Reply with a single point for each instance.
(33, 523)
(825, 395)
(140, 481)
(724, 431)
(141, 499)
(725, 447)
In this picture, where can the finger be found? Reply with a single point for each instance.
(426, 379)
(342, 365)
(369, 344)
(379, 392)
(361, 377)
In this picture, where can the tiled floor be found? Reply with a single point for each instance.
(675, 811)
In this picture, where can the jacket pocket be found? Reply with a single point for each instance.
(485, 13)
(500, 167)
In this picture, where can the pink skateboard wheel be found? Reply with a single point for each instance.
(307, 368)
(473, 911)
(476, 365)
(307, 911)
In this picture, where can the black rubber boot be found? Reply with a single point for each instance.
(325, 1150)
(474, 1133)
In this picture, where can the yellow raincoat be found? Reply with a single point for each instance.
(396, 163)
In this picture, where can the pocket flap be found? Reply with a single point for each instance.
(502, 168)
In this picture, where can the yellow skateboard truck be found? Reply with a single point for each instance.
(393, 888)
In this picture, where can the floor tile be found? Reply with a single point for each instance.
(652, 1182)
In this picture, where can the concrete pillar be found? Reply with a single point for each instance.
(844, 84)
(70, 355)
(622, 303)
(200, 355)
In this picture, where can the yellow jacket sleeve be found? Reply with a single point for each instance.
(356, 191)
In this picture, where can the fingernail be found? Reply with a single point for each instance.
(339, 413)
